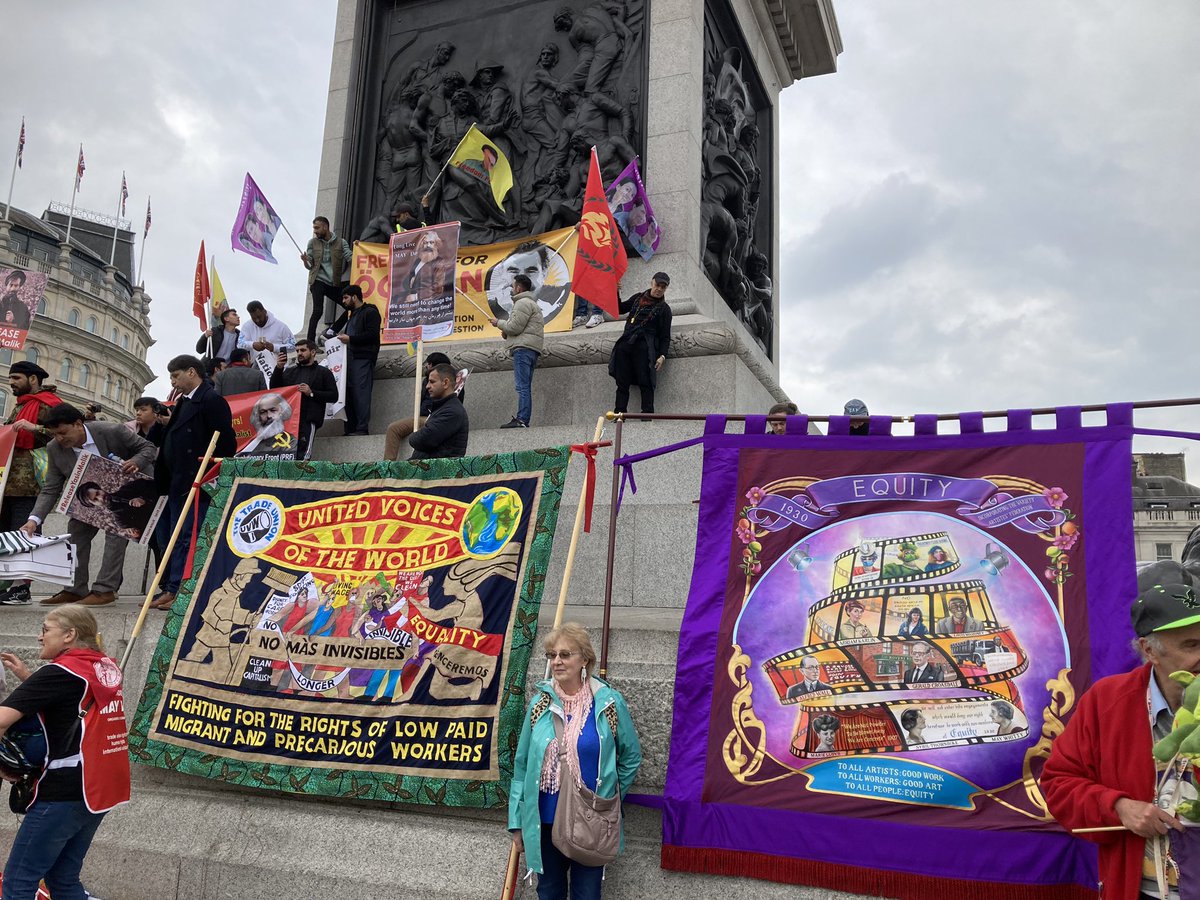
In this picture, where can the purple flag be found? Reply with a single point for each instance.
(256, 224)
(631, 208)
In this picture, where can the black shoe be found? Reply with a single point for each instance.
(515, 423)
(16, 596)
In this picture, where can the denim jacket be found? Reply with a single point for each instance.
(620, 757)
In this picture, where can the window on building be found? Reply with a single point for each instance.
(5, 355)
(64, 371)
(85, 376)
(91, 324)
(120, 398)
(73, 318)
(1162, 551)
(115, 335)
(125, 341)
(41, 306)
(108, 385)
(1157, 504)
(31, 354)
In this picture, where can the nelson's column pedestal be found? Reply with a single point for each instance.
(691, 86)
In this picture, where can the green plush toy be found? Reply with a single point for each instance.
(1184, 739)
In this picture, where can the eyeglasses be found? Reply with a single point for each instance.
(561, 654)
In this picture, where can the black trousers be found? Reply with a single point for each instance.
(327, 301)
(631, 367)
(360, 379)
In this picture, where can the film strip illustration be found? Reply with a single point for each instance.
(979, 660)
(894, 560)
(830, 729)
(888, 628)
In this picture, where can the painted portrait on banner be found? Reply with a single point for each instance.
(20, 292)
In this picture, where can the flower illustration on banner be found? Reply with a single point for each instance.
(1064, 538)
(1055, 496)
(745, 533)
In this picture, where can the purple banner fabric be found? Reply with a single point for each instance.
(632, 210)
(256, 224)
(883, 636)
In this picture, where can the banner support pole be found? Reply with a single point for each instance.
(514, 856)
(418, 378)
(166, 557)
(467, 297)
(612, 547)
(289, 234)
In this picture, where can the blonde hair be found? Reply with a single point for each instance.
(576, 634)
(80, 620)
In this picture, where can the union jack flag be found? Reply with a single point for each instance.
(21, 143)
(147, 231)
(79, 168)
(124, 193)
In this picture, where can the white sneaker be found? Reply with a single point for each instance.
(596, 319)
(578, 320)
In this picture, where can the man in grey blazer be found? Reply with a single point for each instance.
(107, 439)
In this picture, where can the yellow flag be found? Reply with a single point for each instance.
(219, 303)
(481, 158)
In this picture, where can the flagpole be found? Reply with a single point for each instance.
(13, 179)
(142, 252)
(74, 191)
(445, 165)
(289, 234)
(417, 377)
(112, 254)
(487, 313)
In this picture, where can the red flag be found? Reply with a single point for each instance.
(600, 259)
(201, 292)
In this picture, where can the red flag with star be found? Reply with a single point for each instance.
(600, 259)
(201, 292)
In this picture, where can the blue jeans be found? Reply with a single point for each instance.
(524, 361)
(175, 568)
(51, 844)
(583, 308)
(586, 881)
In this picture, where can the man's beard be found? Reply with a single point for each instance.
(271, 429)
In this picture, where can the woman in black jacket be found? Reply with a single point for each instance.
(641, 350)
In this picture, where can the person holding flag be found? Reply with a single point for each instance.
(327, 259)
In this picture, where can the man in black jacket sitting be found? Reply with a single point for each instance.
(317, 388)
(445, 431)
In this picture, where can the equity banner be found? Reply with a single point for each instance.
(883, 637)
(485, 275)
(358, 630)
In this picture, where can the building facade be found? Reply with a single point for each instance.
(1165, 507)
(91, 332)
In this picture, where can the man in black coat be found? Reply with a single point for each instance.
(445, 431)
(362, 350)
(317, 388)
(922, 671)
(199, 413)
(641, 350)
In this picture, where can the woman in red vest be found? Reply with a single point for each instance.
(76, 698)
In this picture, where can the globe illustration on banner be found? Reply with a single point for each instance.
(491, 521)
(892, 640)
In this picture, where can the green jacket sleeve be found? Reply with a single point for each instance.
(516, 791)
(629, 748)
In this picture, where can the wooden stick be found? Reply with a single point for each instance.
(486, 312)
(166, 557)
(514, 857)
(418, 377)
(575, 532)
(290, 238)
(1099, 829)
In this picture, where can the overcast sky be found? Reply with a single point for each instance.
(987, 206)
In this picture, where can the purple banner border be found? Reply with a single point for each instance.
(1033, 858)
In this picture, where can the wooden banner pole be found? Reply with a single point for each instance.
(166, 557)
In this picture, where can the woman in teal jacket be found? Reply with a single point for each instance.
(602, 751)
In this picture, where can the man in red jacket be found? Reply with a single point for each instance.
(1101, 771)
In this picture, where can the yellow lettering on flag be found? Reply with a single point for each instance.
(480, 157)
